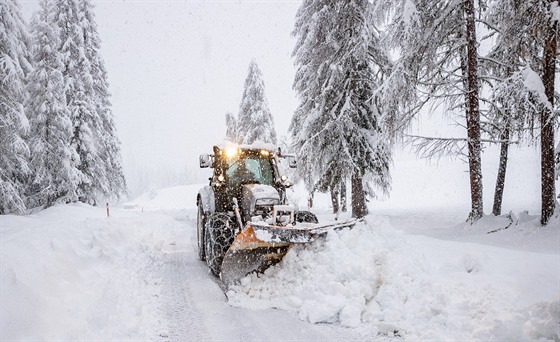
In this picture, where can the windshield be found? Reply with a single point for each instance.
(251, 170)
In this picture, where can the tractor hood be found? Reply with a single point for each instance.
(256, 197)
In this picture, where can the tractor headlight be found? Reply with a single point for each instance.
(265, 153)
(231, 152)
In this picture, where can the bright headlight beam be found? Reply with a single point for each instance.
(231, 152)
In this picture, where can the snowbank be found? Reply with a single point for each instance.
(69, 273)
(381, 281)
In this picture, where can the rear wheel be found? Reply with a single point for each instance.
(218, 237)
(200, 223)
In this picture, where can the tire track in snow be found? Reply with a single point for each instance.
(179, 310)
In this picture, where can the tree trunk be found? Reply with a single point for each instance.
(501, 179)
(359, 208)
(548, 190)
(473, 115)
(343, 196)
(334, 199)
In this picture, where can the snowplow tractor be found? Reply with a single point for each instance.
(244, 223)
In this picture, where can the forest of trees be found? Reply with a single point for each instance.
(365, 69)
(58, 142)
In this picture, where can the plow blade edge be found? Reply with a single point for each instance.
(259, 246)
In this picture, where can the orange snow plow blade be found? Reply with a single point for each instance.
(259, 246)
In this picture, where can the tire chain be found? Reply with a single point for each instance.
(218, 236)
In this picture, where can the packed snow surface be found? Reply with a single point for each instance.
(70, 272)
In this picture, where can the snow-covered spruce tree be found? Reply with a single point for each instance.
(79, 98)
(14, 66)
(53, 178)
(254, 121)
(338, 127)
(113, 185)
(231, 128)
(437, 44)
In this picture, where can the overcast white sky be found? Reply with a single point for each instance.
(176, 67)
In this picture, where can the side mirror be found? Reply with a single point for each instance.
(204, 160)
(292, 162)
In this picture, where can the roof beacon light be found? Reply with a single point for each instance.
(265, 153)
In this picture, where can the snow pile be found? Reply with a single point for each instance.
(381, 281)
(70, 273)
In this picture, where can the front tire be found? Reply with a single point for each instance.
(200, 224)
(218, 237)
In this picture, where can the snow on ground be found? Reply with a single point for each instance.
(381, 280)
(71, 273)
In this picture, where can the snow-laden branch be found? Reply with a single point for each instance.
(439, 147)
(432, 147)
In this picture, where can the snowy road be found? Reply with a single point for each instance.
(195, 307)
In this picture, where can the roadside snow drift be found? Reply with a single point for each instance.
(382, 281)
(70, 273)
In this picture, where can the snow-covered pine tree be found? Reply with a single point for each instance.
(254, 121)
(79, 98)
(113, 184)
(338, 127)
(54, 175)
(231, 128)
(14, 67)
(437, 43)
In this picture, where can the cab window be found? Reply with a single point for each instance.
(250, 171)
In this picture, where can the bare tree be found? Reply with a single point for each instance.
(547, 120)
(437, 43)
